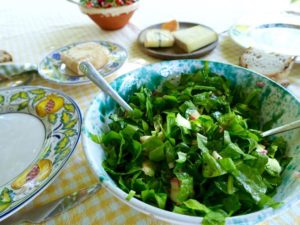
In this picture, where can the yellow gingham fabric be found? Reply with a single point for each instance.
(38, 27)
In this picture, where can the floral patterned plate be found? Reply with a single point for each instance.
(60, 118)
(51, 67)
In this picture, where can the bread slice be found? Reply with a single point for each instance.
(194, 38)
(171, 26)
(272, 65)
(90, 51)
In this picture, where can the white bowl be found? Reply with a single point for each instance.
(96, 121)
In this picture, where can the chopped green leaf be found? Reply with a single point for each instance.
(195, 205)
(130, 195)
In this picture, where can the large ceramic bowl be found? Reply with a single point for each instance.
(274, 99)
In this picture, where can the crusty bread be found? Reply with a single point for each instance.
(90, 51)
(272, 65)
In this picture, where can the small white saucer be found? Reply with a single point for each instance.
(53, 69)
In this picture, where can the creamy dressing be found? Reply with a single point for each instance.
(21, 139)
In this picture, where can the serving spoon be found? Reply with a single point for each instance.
(74, 2)
(281, 129)
(90, 71)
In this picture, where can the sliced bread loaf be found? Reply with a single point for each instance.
(272, 65)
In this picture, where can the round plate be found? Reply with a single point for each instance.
(175, 52)
(270, 32)
(61, 119)
(51, 67)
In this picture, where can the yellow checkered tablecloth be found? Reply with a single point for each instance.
(35, 29)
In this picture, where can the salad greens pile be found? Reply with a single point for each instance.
(195, 148)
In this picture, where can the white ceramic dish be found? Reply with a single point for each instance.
(40, 128)
(274, 32)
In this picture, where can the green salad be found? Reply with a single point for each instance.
(194, 147)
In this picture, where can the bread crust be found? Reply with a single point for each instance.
(258, 64)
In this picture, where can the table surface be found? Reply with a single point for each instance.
(31, 29)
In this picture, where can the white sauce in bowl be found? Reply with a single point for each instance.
(21, 139)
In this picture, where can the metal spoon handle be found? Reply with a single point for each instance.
(74, 2)
(89, 70)
(277, 130)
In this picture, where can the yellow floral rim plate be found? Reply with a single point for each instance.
(61, 120)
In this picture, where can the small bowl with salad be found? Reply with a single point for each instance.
(191, 150)
(109, 14)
